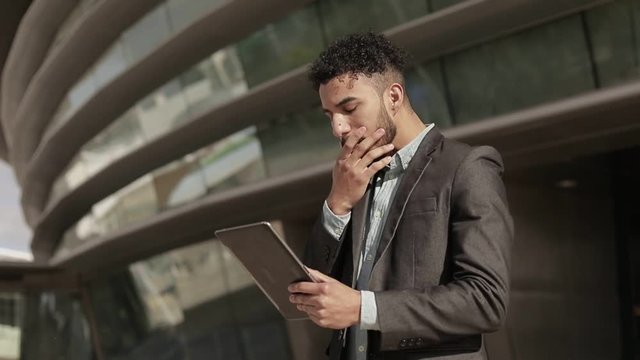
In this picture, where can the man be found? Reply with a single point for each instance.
(412, 249)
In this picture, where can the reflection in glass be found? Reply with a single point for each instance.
(185, 12)
(133, 203)
(162, 110)
(515, 72)
(135, 43)
(11, 323)
(110, 65)
(216, 79)
(146, 34)
(233, 161)
(436, 5)
(179, 182)
(341, 17)
(120, 138)
(297, 141)
(184, 304)
(615, 35)
(281, 46)
(426, 91)
(56, 327)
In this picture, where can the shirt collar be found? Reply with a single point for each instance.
(401, 159)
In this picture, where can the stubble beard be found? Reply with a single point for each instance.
(385, 122)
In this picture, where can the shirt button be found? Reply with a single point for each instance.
(369, 257)
(377, 214)
(361, 348)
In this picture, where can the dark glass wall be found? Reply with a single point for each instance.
(196, 302)
(54, 327)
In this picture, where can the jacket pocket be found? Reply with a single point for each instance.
(421, 206)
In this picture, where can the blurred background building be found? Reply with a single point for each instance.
(137, 128)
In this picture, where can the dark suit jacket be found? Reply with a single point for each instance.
(441, 274)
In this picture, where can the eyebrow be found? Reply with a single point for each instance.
(342, 102)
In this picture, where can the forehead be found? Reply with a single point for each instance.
(348, 85)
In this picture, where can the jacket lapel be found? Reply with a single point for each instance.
(413, 174)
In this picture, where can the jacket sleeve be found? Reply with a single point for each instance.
(480, 240)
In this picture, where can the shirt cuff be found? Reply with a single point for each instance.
(368, 311)
(334, 224)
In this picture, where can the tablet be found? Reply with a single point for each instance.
(270, 262)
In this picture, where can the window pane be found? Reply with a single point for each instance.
(56, 328)
(184, 302)
(80, 93)
(341, 17)
(233, 161)
(615, 33)
(162, 111)
(425, 88)
(110, 65)
(184, 12)
(214, 80)
(281, 46)
(297, 141)
(178, 183)
(515, 72)
(137, 202)
(441, 4)
(11, 324)
(145, 35)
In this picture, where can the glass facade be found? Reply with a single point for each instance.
(136, 42)
(281, 46)
(212, 81)
(197, 302)
(37, 325)
(508, 74)
(344, 17)
(230, 162)
(513, 73)
(614, 30)
(269, 52)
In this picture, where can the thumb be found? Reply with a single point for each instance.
(320, 277)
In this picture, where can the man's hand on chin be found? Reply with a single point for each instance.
(329, 303)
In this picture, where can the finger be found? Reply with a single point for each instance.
(305, 287)
(310, 310)
(320, 277)
(352, 141)
(363, 146)
(307, 309)
(377, 166)
(303, 300)
(374, 154)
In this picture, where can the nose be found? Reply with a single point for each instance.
(339, 126)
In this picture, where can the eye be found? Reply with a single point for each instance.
(350, 110)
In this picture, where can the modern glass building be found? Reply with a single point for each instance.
(138, 128)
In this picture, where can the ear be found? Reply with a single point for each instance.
(396, 97)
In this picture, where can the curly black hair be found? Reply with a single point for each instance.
(360, 53)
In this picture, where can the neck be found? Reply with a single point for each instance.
(408, 127)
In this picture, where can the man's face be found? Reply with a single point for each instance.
(351, 102)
